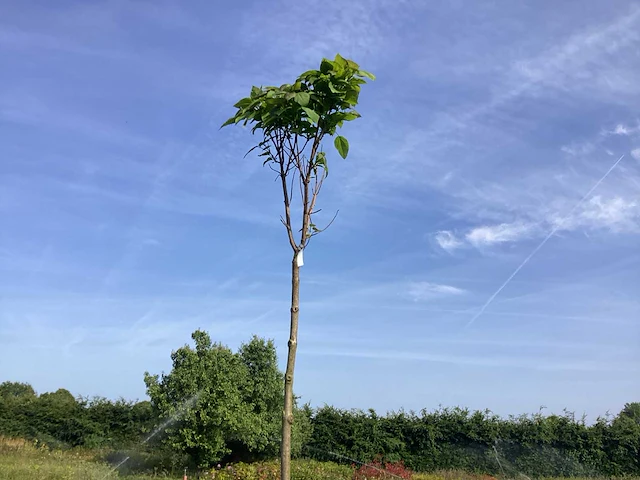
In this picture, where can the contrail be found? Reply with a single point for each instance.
(541, 244)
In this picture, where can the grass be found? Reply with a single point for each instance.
(24, 460)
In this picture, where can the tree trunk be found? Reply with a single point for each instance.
(287, 414)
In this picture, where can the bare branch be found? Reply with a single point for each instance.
(304, 147)
(320, 230)
(290, 157)
(294, 154)
(308, 203)
(283, 177)
(251, 150)
(293, 178)
(301, 185)
(274, 169)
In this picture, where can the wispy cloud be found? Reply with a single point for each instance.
(543, 198)
(505, 232)
(578, 149)
(13, 38)
(615, 214)
(553, 231)
(355, 29)
(624, 130)
(22, 108)
(424, 291)
(484, 360)
(612, 214)
(447, 240)
(583, 64)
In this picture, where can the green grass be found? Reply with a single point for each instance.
(23, 460)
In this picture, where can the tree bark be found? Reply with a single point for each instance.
(287, 414)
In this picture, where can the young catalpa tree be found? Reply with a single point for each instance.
(293, 120)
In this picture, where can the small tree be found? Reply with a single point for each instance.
(217, 402)
(16, 390)
(293, 119)
(632, 411)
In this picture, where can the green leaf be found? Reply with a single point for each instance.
(351, 96)
(231, 121)
(313, 116)
(333, 88)
(302, 98)
(321, 159)
(364, 73)
(310, 76)
(255, 91)
(243, 103)
(353, 64)
(326, 66)
(352, 115)
(342, 145)
(340, 61)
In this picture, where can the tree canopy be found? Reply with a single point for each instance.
(219, 403)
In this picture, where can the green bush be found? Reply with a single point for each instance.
(457, 439)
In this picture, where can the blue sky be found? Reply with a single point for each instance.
(129, 219)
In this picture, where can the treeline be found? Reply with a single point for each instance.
(537, 445)
(58, 419)
(219, 406)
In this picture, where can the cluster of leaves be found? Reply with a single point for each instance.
(59, 419)
(536, 445)
(293, 119)
(382, 471)
(317, 103)
(223, 406)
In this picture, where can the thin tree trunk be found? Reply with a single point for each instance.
(287, 414)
